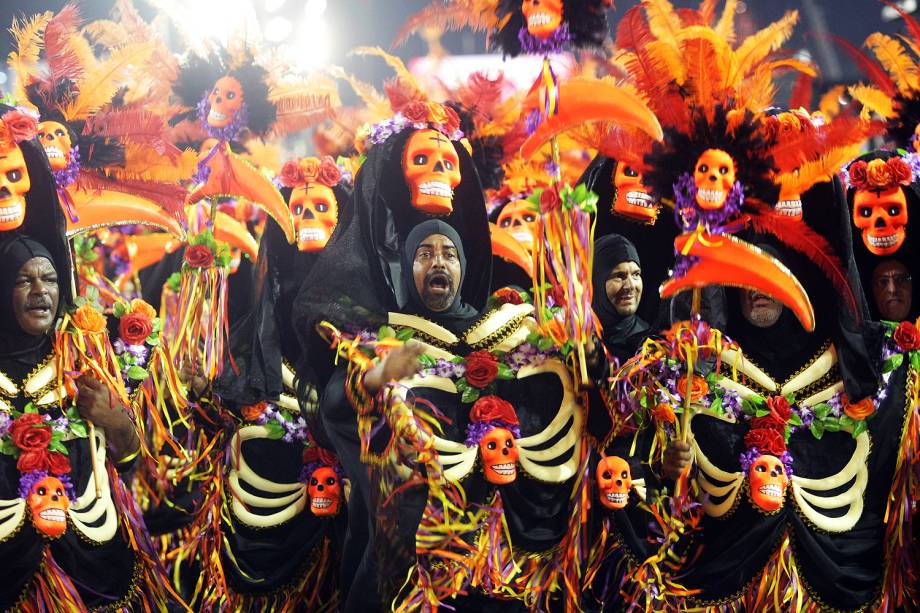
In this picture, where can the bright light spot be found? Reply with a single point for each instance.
(273, 5)
(2, 77)
(277, 29)
(309, 46)
(314, 8)
(220, 20)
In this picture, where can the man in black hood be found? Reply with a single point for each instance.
(617, 281)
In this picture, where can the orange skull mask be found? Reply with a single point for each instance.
(520, 219)
(55, 139)
(714, 176)
(632, 198)
(14, 184)
(325, 491)
(543, 16)
(315, 211)
(49, 503)
(882, 218)
(614, 480)
(432, 170)
(226, 99)
(768, 480)
(499, 456)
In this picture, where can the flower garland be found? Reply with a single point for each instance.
(555, 43)
(690, 216)
(881, 175)
(139, 330)
(416, 115)
(281, 425)
(298, 173)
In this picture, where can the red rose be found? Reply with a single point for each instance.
(34, 460)
(550, 200)
(906, 336)
(58, 464)
(481, 368)
(29, 432)
(291, 175)
(21, 125)
(199, 256)
(506, 295)
(493, 408)
(859, 176)
(134, 328)
(452, 124)
(415, 112)
(766, 440)
(329, 173)
(901, 171)
(780, 412)
(557, 293)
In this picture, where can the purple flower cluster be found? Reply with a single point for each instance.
(553, 44)
(689, 215)
(68, 174)
(731, 403)
(382, 130)
(836, 402)
(750, 456)
(683, 263)
(446, 368)
(478, 429)
(307, 471)
(5, 422)
(294, 430)
(228, 132)
(28, 480)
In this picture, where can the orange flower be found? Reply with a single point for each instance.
(858, 410)
(700, 388)
(142, 308)
(879, 173)
(89, 319)
(310, 168)
(436, 113)
(664, 413)
(252, 412)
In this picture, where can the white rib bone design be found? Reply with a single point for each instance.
(88, 509)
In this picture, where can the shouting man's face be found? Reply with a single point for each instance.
(35, 296)
(437, 273)
(624, 287)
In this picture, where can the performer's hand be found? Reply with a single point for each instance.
(676, 457)
(94, 403)
(400, 363)
(191, 375)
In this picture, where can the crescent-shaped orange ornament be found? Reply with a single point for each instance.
(509, 249)
(103, 208)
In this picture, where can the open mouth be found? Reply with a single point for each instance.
(54, 515)
(321, 503)
(439, 283)
(505, 470)
(522, 237)
(436, 188)
(539, 19)
(310, 234)
(10, 213)
(42, 310)
(640, 199)
(616, 497)
(758, 299)
(772, 490)
(789, 208)
(715, 196)
(888, 240)
(53, 152)
(215, 116)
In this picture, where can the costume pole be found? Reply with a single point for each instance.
(688, 394)
(97, 479)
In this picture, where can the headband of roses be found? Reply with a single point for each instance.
(16, 127)
(316, 457)
(488, 413)
(415, 115)
(769, 435)
(881, 175)
(300, 172)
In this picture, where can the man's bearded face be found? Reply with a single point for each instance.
(759, 309)
(624, 287)
(892, 289)
(436, 270)
(35, 296)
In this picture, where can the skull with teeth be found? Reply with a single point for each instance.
(494, 427)
(14, 184)
(48, 503)
(225, 101)
(714, 177)
(543, 16)
(614, 480)
(520, 219)
(315, 211)
(432, 170)
(632, 197)
(325, 491)
(881, 215)
(768, 481)
(55, 139)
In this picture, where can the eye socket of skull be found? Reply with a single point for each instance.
(316, 211)
(432, 170)
(226, 99)
(14, 185)
(768, 480)
(714, 176)
(325, 491)
(632, 197)
(881, 216)
(543, 17)
(520, 219)
(614, 480)
(48, 503)
(499, 455)
(55, 140)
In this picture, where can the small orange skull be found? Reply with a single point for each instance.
(226, 100)
(49, 503)
(543, 16)
(55, 139)
(768, 480)
(499, 456)
(789, 203)
(882, 217)
(325, 491)
(632, 198)
(614, 480)
(315, 211)
(14, 184)
(432, 171)
(714, 176)
(520, 219)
